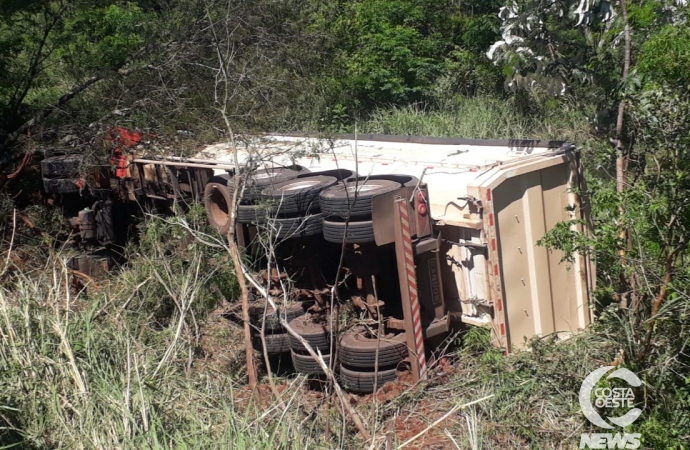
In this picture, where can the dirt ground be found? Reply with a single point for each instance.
(221, 349)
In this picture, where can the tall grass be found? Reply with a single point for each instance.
(92, 368)
(98, 367)
(137, 361)
(483, 117)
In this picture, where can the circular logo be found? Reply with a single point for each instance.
(609, 397)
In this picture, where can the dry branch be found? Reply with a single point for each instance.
(318, 358)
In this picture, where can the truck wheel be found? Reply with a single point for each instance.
(261, 179)
(275, 343)
(299, 226)
(63, 186)
(290, 312)
(307, 364)
(357, 232)
(363, 382)
(338, 200)
(63, 166)
(299, 196)
(218, 201)
(254, 214)
(315, 334)
(358, 349)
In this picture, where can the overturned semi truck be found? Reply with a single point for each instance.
(420, 235)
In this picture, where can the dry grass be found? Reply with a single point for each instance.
(146, 359)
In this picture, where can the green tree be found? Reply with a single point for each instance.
(395, 52)
(52, 50)
(648, 200)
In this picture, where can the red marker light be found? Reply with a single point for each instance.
(421, 204)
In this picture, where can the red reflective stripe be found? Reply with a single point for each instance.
(499, 305)
(412, 288)
(491, 220)
(408, 254)
(488, 194)
(496, 269)
(503, 329)
(493, 244)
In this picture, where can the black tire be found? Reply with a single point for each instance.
(307, 364)
(63, 166)
(316, 335)
(360, 232)
(291, 312)
(261, 179)
(298, 196)
(358, 349)
(275, 343)
(217, 201)
(64, 186)
(339, 199)
(253, 214)
(299, 227)
(363, 382)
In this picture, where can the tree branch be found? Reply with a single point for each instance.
(76, 90)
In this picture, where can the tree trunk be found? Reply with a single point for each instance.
(621, 163)
(235, 255)
(659, 301)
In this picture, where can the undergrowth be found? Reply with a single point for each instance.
(108, 365)
(112, 364)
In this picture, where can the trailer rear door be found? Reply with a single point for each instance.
(534, 293)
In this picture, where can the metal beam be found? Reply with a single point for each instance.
(408, 288)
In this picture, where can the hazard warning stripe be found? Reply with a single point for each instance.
(412, 287)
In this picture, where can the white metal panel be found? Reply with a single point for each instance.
(446, 169)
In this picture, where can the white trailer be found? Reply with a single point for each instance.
(468, 213)
(490, 201)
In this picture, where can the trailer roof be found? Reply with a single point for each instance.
(417, 150)
(447, 165)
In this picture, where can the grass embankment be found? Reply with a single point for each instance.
(483, 118)
(122, 364)
(145, 360)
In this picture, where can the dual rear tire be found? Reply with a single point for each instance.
(347, 209)
(367, 362)
(61, 174)
(293, 202)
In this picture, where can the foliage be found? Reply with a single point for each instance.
(391, 48)
(564, 46)
(482, 117)
(665, 57)
(394, 52)
(46, 46)
(657, 217)
(86, 369)
(551, 44)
